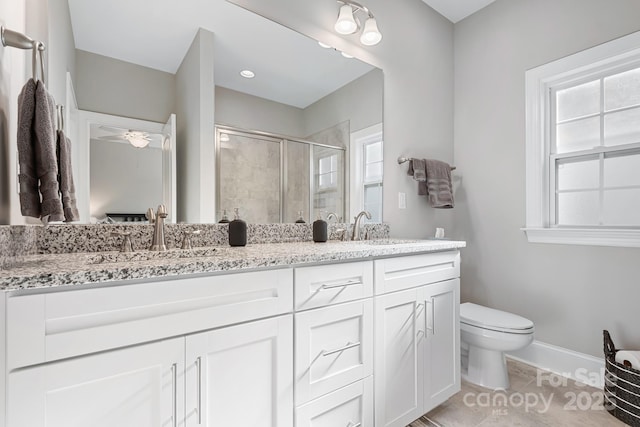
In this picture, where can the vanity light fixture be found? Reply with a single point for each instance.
(137, 139)
(324, 45)
(247, 74)
(348, 23)
(346, 55)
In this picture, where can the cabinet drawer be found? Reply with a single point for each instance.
(333, 348)
(350, 406)
(394, 274)
(331, 284)
(52, 326)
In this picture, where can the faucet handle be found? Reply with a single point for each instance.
(151, 216)
(342, 234)
(126, 245)
(186, 240)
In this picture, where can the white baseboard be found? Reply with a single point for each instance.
(567, 363)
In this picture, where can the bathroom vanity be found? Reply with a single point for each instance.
(336, 334)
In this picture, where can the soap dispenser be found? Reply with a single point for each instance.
(237, 231)
(225, 218)
(320, 233)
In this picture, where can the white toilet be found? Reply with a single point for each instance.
(485, 335)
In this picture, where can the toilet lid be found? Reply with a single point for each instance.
(489, 318)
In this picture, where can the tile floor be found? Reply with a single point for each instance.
(532, 401)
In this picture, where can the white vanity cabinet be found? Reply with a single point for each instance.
(334, 345)
(372, 343)
(417, 342)
(241, 375)
(141, 386)
(133, 355)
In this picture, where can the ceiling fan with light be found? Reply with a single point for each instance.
(136, 138)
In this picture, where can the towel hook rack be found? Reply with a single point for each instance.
(18, 40)
(402, 160)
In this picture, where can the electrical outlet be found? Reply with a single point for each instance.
(402, 200)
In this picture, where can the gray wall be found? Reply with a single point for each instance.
(110, 86)
(416, 55)
(61, 55)
(360, 102)
(195, 132)
(570, 292)
(124, 179)
(250, 112)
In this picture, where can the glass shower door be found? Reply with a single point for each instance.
(249, 176)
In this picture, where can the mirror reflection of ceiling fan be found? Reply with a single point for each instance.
(136, 138)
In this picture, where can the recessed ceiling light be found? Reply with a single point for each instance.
(247, 74)
(346, 55)
(324, 45)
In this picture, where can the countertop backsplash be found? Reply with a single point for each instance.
(21, 240)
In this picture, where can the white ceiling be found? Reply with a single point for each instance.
(457, 10)
(290, 68)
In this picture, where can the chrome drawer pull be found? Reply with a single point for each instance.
(342, 284)
(174, 386)
(199, 365)
(351, 424)
(346, 347)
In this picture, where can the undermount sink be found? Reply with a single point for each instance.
(111, 257)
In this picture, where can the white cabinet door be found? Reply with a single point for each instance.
(241, 375)
(350, 406)
(334, 347)
(442, 346)
(140, 386)
(399, 365)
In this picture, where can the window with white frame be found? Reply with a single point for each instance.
(328, 171)
(583, 147)
(372, 179)
(366, 177)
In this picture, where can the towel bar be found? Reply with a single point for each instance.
(402, 160)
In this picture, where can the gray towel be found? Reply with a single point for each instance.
(417, 169)
(45, 155)
(65, 178)
(28, 177)
(439, 188)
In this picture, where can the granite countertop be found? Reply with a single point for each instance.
(46, 271)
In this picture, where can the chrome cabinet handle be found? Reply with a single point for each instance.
(420, 307)
(351, 424)
(199, 366)
(338, 350)
(174, 384)
(351, 282)
(433, 316)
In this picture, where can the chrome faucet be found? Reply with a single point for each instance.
(334, 216)
(355, 234)
(158, 243)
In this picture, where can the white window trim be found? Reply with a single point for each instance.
(538, 83)
(357, 140)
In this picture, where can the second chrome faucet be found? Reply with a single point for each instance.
(158, 243)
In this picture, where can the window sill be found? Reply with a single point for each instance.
(580, 236)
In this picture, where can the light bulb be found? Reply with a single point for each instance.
(137, 139)
(370, 35)
(345, 23)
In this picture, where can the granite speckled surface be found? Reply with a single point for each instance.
(54, 270)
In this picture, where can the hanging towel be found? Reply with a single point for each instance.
(65, 179)
(28, 177)
(439, 188)
(46, 160)
(417, 169)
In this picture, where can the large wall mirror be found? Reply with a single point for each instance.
(309, 123)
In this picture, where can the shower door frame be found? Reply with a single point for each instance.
(283, 140)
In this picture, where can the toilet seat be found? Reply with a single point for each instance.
(494, 320)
